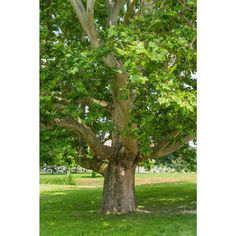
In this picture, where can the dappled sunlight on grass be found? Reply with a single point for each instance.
(57, 182)
(58, 193)
(105, 224)
(76, 212)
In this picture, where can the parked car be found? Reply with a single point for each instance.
(74, 169)
(62, 169)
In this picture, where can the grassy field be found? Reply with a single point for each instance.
(71, 207)
(86, 180)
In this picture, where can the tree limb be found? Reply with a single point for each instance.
(61, 102)
(147, 6)
(163, 144)
(81, 13)
(120, 112)
(130, 10)
(164, 148)
(87, 135)
(86, 18)
(183, 4)
(90, 100)
(91, 24)
(174, 147)
(95, 164)
(114, 7)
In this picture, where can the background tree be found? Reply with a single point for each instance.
(57, 147)
(122, 71)
(183, 160)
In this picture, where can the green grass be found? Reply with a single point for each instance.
(66, 212)
(86, 179)
(57, 179)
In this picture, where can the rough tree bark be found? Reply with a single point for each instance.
(118, 189)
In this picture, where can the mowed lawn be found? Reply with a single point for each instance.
(70, 206)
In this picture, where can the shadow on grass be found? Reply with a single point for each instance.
(76, 212)
(151, 197)
(90, 177)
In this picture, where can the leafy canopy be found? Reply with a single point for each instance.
(157, 50)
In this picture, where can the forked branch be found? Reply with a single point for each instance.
(174, 147)
(86, 18)
(114, 7)
(95, 164)
(165, 148)
(87, 135)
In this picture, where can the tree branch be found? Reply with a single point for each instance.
(80, 13)
(130, 10)
(61, 102)
(114, 7)
(94, 164)
(164, 148)
(163, 144)
(86, 18)
(91, 24)
(147, 6)
(90, 100)
(120, 112)
(87, 135)
(174, 147)
(183, 4)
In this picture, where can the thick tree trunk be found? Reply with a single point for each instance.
(118, 189)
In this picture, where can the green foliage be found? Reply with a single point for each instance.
(57, 147)
(148, 165)
(159, 53)
(183, 160)
(94, 174)
(158, 50)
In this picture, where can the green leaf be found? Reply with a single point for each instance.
(171, 13)
(138, 79)
(80, 88)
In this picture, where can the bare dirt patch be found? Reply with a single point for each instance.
(156, 180)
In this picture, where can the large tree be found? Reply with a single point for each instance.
(121, 75)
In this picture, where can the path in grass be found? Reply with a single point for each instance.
(74, 212)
